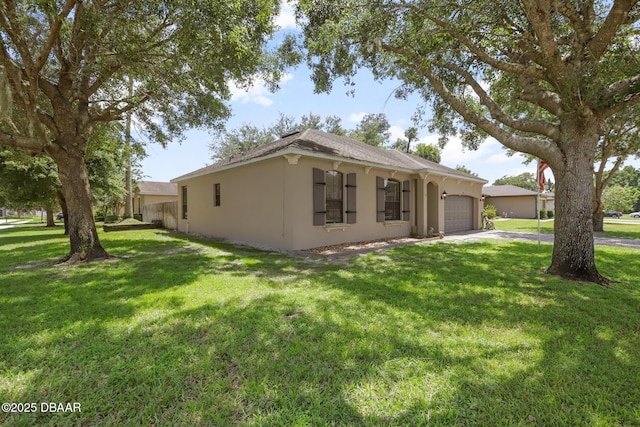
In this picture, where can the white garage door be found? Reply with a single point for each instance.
(458, 214)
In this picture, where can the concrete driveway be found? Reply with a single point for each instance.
(514, 235)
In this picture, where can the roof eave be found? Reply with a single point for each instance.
(297, 151)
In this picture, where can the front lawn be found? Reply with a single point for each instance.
(182, 331)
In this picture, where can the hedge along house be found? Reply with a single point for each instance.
(312, 189)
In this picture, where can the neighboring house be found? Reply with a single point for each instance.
(151, 192)
(548, 201)
(514, 202)
(312, 189)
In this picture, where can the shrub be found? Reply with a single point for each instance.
(549, 214)
(543, 213)
(490, 211)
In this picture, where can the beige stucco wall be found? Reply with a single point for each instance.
(251, 209)
(270, 203)
(514, 206)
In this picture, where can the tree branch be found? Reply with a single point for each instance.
(616, 17)
(481, 55)
(8, 13)
(545, 99)
(30, 143)
(54, 32)
(529, 126)
(539, 16)
(542, 148)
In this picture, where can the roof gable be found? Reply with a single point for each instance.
(506, 191)
(157, 188)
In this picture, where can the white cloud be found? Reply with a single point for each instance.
(286, 18)
(356, 117)
(455, 154)
(396, 132)
(257, 93)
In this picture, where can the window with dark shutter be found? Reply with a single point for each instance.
(184, 202)
(351, 198)
(319, 207)
(334, 197)
(380, 193)
(392, 200)
(406, 193)
(216, 194)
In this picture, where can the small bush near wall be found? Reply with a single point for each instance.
(490, 211)
(543, 213)
(549, 214)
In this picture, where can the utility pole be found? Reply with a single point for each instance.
(128, 206)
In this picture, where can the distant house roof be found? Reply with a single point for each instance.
(157, 188)
(315, 143)
(506, 191)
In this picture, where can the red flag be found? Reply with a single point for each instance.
(542, 165)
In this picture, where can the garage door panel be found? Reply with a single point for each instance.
(458, 214)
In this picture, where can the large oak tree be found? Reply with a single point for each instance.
(540, 76)
(66, 64)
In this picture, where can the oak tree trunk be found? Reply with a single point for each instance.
(49, 212)
(598, 216)
(65, 211)
(573, 250)
(83, 236)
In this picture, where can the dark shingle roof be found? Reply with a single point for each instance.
(157, 188)
(313, 142)
(506, 191)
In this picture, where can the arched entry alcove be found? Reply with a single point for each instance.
(433, 199)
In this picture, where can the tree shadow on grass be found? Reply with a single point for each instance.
(441, 335)
(586, 335)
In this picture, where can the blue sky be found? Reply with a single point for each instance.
(296, 97)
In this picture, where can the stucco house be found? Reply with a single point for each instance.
(512, 201)
(312, 189)
(151, 192)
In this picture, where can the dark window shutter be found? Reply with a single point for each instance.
(319, 207)
(380, 199)
(351, 198)
(406, 192)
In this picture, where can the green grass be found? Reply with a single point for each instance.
(182, 331)
(625, 227)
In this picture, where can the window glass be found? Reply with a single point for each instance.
(184, 202)
(392, 201)
(334, 197)
(216, 194)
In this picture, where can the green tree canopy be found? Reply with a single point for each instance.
(231, 142)
(463, 168)
(65, 66)
(524, 180)
(373, 129)
(541, 77)
(616, 197)
(619, 141)
(429, 152)
(28, 182)
(628, 176)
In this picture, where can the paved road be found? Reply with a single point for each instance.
(498, 234)
(12, 222)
